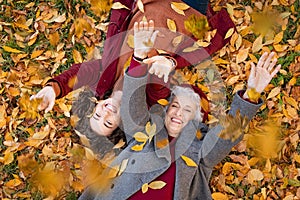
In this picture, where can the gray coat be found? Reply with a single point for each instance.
(146, 165)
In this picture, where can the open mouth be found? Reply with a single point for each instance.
(176, 120)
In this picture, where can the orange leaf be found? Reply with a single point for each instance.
(13, 183)
(77, 56)
(163, 102)
(162, 143)
(54, 38)
(219, 196)
(36, 53)
(11, 50)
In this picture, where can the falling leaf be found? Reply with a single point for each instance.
(233, 126)
(156, 185)
(242, 55)
(189, 162)
(171, 25)
(118, 5)
(11, 50)
(257, 44)
(229, 33)
(177, 40)
(163, 102)
(130, 41)
(140, 6)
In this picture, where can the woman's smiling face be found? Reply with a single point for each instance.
(106, 117)
(179, 113)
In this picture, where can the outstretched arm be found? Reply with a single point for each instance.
(219, 141)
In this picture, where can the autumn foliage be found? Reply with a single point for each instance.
(41, 156)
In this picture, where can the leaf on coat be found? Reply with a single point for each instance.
(198, 134)
(120, 144)
(140, 137)
(163, 102)
(162, 143)
(118, 5)
(138, 147)
(180, 6)
(189, 162)
(140, 6)
(145, 188)
(130, 41)
(233, 126)
(181, 12)
(150, 130)
(156, 185)
(123, 166)
(171, 25)
(229, 33)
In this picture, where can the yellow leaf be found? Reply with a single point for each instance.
(171, 25)
(291, 101)
(13, 91)
(232, 80)
(123, 166)
(13, 183)
(293, 81)
(130, 41)
(203, 44)
(140, 137)
(198, 134)
(41, 135)
(138, 147)
(32, 41)
(177, 40)
(72, 81)
(204, 104)
(280, 48)
(120, 144)
(229, 33)
(180, 6)
(242, 55)
(140, 6)
(189, 162)
(8, 157)
(257, 44)
(274, 92)
(296, 157)
(150, 130)
(3, 116)
(163, 102)
(190, 49)
(221, 61)
(113, 172)
(155, 185)
(54, 38)
(162, 143)
(181, 12)
(77, 56)
(145, 188)
(36, 53)
(11, 50)
(278, 37)
(118, 5)
(89, 154)
(219, 196)
(255, 175)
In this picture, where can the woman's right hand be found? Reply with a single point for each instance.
(48, 95)
(144, 37)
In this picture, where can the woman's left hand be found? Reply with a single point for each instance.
(262, 74)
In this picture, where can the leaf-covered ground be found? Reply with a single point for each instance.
(42, 157)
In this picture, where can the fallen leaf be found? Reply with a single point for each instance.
(242, 55)
(229, 33)
(11, 50)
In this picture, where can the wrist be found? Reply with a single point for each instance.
(252, 95)
(55, 88)
(140, 56)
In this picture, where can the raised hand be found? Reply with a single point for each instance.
(262, 74)
(161, 66)
(48, 96)
(144, 37)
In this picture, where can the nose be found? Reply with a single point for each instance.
(178, 112)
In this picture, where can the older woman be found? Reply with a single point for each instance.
(160, 157)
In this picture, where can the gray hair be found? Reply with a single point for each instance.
(192, 95)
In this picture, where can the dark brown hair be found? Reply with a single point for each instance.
(83, 108)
